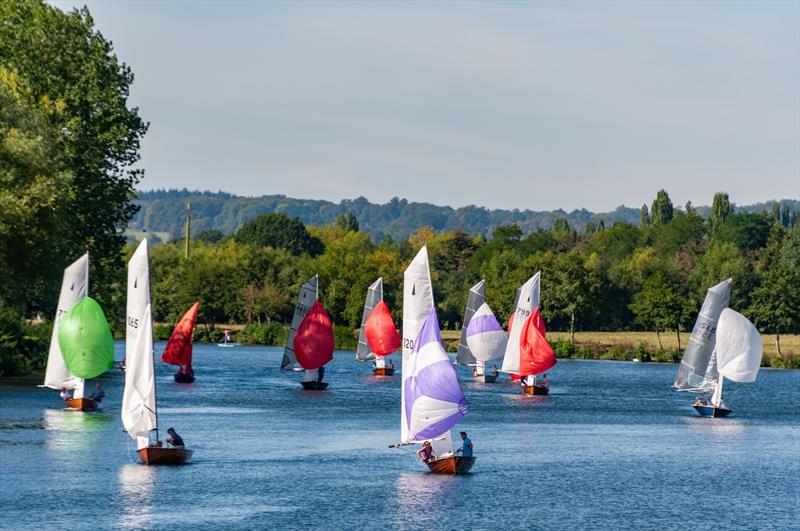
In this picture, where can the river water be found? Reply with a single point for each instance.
(611, 447)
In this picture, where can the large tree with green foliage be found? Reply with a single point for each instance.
(661, 209)
(279, 231)
(720, 210)
(660, 305)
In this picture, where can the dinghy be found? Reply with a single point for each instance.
(74, 287)
(179, 348)
(139, 406)
(527, 301)
(465, 356)
(378, 335)
(486, 341)
(432, 401)
(698, 370)
(313, 336)
(738, 357)
(536, 355)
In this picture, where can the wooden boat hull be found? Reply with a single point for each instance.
(712, 411)
(82, 404)
(182, 377)
(486, 378)
(314, 385)
(155, 455)
(383, 371)
(536, 390)
(455, 464)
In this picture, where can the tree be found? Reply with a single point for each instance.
(748, 232)
(64, 60)
(209, 236)
(279, 231)
(347, 221)
(661, 210)
(569, 290)
(644, 218)
(689, 208)
(720, 210)
(659, 305)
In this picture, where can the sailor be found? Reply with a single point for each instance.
(426, 452)
(174, 439)
(545, 382)
(390, 365)
(227, 339)
(98, 394)
(320, 373)
(65, 394)
(466, 445)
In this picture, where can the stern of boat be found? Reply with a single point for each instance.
(712, 411)
(82, 404)
(383, 371)
(536, 390)
(314, 385)
(157, 455)
(454, 464)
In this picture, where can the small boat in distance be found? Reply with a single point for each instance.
(432, 401)
(139, 406)
(738, 357)
(378, 335)
(486, 340)
(536, 355)
(465, 356)
(698, 370)
(315, 341)
(179, 347)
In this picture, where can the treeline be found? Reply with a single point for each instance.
(164, 211)
(622, 277)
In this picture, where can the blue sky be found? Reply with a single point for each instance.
(506, 105)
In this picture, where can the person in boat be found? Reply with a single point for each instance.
(701, 401)
(175, 440)
(98, 394)
(495, 372)
(390, 365)
(544, 382)
(527, 381)
(426, 452)
(227, 338)
(320, 374)
(64, 394)
(466, 445)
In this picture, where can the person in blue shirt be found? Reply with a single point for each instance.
(98, 394)
(466, 446)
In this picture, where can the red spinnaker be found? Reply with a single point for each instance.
(381, 333)
(179, 348)
(535, 353)
(313, 341)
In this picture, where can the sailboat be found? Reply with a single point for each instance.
(465, 356)
(74, 287)
(486, 341)
(432, 401)
(378, 335)
(310, 343)
(179, 348)
(139, 405)
(528, 299)
(738, 357)
(698, 371)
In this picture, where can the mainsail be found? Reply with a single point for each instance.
(74, 287)
(179, 348)
(305, 299)
(696, 372)
(527, 300)
(485, 337)
(139, 397)
(433, 401)
(374, 296)
(417, 304)
(477, 296)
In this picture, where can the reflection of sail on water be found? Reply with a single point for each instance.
(414, 491)
(374, 296)
(136, 492)
(305, 299)
(477, 296)
(697, 371)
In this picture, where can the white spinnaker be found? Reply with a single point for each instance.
(74, 287)
(139, 398)
(374, 296)
(309, 293)
(476, 297)
(138, 295)
(488, 344)
(738, 347)
(417, 303)
(528, 300)
(696, 372)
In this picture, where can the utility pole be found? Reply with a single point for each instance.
(188, 229)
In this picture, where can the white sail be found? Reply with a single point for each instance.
(696, 372)
(138, 295)
(527, 301)
(417, 304)
(139, 398)
(374, 296)
(74, 287)
(485, 336)
(738, 347)
(305, 299)
(476, 297)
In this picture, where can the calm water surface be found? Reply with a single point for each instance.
(611, 447)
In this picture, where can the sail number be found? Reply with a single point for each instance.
(301, 309)
(133, 322)
(408, 343)
(523, 312)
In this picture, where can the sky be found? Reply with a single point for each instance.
(528, 105)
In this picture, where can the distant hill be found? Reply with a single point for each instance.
(164, 211)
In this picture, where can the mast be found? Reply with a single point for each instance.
(188, 229)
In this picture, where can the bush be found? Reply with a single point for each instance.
(23, 347)
(162, 332)
(264, 334)
(668, 356)
(344, 337)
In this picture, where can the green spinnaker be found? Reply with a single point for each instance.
(85, 340)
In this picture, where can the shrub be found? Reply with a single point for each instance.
(23, 347)
(162, 332)
(264, 334)
(345, 338)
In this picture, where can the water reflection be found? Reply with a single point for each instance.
(136, 492)
(423, 499)
(68, 428)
